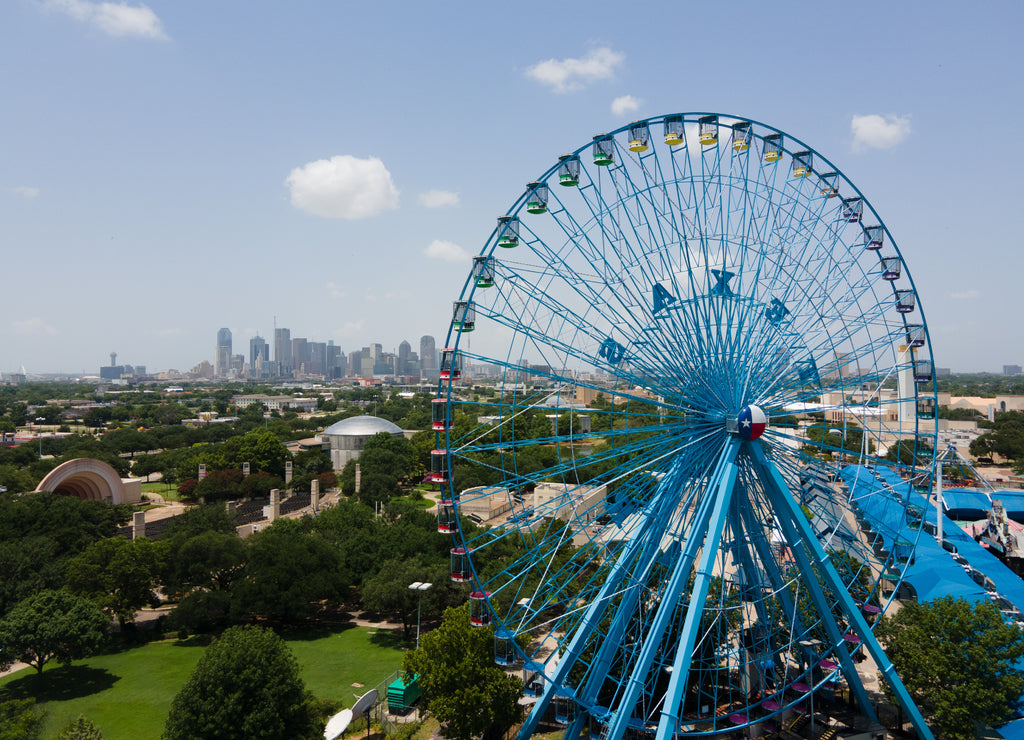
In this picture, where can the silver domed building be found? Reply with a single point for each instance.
(344, 439)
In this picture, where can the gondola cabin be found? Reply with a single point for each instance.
(460, 572)
(905, 301)
(504, 648)
(891, 268)
(569, 170)
(464, 316)
(508, 231)
(565, 706)
(483, 271)
(604, 150)
(451, 365)
(828, 185)
(915, 335)
(439, 419)
(803, 161)
(772, 148)
(707, 130)
(439, 466)
(537, 198)
(639, 137)
(479, 614)
(674, 130)
(741, 136)
(873, 237)
(533, 679)
(446, 523)
(922, 371)
(853, 210)
(926, 408)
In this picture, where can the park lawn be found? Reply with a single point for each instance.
(128, 694)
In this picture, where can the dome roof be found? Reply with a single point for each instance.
(362, 426)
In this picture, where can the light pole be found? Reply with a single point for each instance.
(419, 588)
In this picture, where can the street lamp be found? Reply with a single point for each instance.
(420, 588)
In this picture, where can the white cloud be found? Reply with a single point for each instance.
(965, 295)
(565, 75)
(438, 199)
(439, 249)
(625, 104)
(349, 329)
(34, 327)
(335, 290)
(343, 187)
(25, 191)
(115, 19)
(878, 132)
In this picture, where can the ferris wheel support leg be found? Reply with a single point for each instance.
(799, 529)
(778, 582)
(709, 522)
(721, 488)
(642, 548)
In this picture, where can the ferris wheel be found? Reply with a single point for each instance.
(689, 326)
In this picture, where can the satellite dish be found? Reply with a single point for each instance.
(337, 724)
(365, 702)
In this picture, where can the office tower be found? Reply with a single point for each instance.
(404, 349)
(300, 354)
(318, 358)
(283, 350)
(428, 356)
(222, 359)
(259, 352)
(355, 363)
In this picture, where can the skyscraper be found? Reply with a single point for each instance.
(283, 349)
(428, 356)
(404, 349)
(259, 352)
(222, 359)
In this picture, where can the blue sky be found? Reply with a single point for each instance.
(172, 167)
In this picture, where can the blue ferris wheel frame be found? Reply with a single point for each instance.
(718, 304)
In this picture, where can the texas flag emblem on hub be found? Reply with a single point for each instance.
(752, 421)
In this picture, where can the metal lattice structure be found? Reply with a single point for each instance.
(695, 321)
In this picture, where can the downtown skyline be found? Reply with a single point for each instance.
(175, 165)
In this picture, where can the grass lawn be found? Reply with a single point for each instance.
(128, 694)
(169, 493)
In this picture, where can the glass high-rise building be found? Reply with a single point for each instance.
(428, 356)
(222, 359)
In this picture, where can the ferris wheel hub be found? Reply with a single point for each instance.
(751, 422)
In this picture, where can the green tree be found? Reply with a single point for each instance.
(51, 625)
(80, 729)
(388, 591)
(246, 685)
(286, 570)
(19, 720)
(462, 686)
(119, 575)
(957, 661)
(208, 561)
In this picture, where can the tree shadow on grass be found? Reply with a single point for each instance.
(60, 684)
(389, 639)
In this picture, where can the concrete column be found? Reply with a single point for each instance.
(314, 494)
(358, 477)
(202, 471)
(138, 525)
(230, 506)
(288, 472)
(275, 504)
(245, 470)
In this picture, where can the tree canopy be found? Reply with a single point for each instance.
(957, 661)
(246, 685)
(51, 625)
(462, 686)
